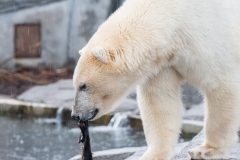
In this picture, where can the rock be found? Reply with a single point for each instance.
(115, 154)
(191, 126)
(195, 112)
(10, 106)
(135, 121)
(131, 153)
(198, 140)
(62, 93)
(5, 96)
(135, 153)
(127, 104)
(52, 94)
(45, 100)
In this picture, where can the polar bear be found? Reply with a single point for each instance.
(156, 45)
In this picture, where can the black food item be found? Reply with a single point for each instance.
(85, 138)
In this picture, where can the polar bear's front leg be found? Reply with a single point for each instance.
(160, 106)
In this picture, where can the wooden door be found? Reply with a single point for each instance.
(27, 41)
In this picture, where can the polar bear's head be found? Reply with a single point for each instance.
(101, 78)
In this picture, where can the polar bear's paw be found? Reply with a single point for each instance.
(206, 152)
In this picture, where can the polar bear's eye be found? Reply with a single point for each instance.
(82, 87)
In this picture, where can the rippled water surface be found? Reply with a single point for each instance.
(30, 139)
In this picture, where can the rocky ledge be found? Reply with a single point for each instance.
(136, 152)
(48, 100)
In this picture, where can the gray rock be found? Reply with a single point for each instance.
(196, 112)
(138, 153)
(5, 96)
(192, 126)
(181, 151)
(127, 104)
(12, 106)
(113, 154)
(62, 93)
(132, 153)
(52, 94)
(198, 140)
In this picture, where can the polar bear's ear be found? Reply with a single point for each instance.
(81, 51)
(101, 54)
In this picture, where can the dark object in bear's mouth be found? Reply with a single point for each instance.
(85, 139)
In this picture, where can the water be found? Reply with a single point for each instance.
(57, 120)
(47, 139)
(42, 139)
(119, 120)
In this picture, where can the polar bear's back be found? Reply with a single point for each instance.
(214, 29)
(202, 32)
(202, 21)
(213, 34)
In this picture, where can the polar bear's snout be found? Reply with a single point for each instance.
(84, 108)
(84, 116)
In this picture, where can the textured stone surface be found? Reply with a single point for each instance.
(132, 153)
(195, 112)
(61, 93)
(113, 154)
(198, 140)
(53, 94)
(192, 126)
(10, 106)
(135, 153)
(127, 104)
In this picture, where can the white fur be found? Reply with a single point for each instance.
(157, 44)
(101, 54)
(81, 51)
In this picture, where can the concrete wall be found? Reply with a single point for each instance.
(15, 5)
(86, 18)
(52, 18)
(65, 27)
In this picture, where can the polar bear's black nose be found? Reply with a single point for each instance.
(75, 117)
